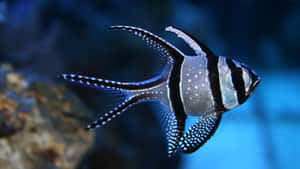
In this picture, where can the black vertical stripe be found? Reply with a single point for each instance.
(213, 73)
(237, 80)
(177, 131)
(174, 87)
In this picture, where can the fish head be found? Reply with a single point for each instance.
(238, 82)
(251, 80)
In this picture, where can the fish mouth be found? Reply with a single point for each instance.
(255, 84)
(253, 87)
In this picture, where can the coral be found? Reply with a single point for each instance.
(41, 124)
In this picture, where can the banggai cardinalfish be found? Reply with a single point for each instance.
(203, 85)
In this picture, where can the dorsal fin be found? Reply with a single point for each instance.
(199, 48)
(154, 41)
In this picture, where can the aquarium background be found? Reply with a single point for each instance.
(49, 37)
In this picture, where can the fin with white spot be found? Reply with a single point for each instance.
(112, 85)
(154, 41)
(199, 48)
(200, 132)
(117, 111)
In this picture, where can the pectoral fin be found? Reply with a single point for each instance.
(200, 132)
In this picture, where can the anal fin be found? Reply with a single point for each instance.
(174, 131)
(200, 132)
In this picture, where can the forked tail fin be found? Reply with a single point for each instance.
(133, 90)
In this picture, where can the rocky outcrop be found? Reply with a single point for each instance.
(41, 124)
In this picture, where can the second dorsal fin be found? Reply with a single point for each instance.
(199, 48)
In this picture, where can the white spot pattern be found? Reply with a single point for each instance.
(197, 96)
(195, 92)
(200, 132)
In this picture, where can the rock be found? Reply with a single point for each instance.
(41, 124)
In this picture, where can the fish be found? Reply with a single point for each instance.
(203, 85)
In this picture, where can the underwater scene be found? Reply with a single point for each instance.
(179, 84)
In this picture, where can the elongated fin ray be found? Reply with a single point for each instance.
(154, 41)
(117, 111)
(198, 47)
(108, 84)
(200, 132)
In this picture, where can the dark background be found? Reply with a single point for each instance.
(50, 37)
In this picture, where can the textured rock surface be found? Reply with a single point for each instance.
(40, 124)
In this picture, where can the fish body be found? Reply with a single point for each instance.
(203, 85)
